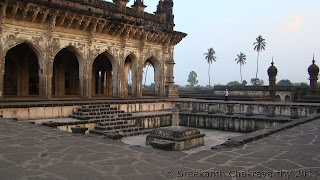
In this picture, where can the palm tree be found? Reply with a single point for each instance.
(259, 45)
(210, 58)
(241, 59)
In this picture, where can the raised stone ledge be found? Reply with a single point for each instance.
(78, 122)
(238, 116)
(54, 103)
(176, 139)
(241, 140)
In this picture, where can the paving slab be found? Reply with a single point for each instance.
(29, 151)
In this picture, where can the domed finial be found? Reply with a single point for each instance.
(313, 61)
(272, 61)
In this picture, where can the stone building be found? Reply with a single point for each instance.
(84, 48)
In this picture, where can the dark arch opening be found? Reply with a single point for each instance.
(21, 76)
(65, 74)
(102, 76)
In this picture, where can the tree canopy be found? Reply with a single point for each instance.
(284, 82)
(192, 80)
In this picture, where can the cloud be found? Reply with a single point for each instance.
(231, 20)
(294, 23)
(255, 21)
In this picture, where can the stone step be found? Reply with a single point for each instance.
(93, 117)
(81, 113)
(124, 134)
(97, 109)
(114, 127)
(113, 122)
(142, 132)
(96, 106)
(120, 131)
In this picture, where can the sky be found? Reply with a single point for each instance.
(291, 29)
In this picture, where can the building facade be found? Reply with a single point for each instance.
(84, 48)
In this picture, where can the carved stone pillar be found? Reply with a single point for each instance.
(138, 84)
(84, 77)
(45, 79)
(171, 89)
(2, 70)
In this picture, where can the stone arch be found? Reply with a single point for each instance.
(287, 98)
(157, 73)
(103, 71)
(129, 71)
(21, 77)
(67, 72)
(278, 98)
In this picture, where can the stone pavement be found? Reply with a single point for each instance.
(29, 151)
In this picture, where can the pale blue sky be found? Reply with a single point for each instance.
(291, 29)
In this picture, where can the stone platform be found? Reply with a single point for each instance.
(177, 138)
(29, 151)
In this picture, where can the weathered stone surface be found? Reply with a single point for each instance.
(178, 137)
(289, 149)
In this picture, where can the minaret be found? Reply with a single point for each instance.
(272, 72)
(122, 4)
(139, 6)
(313, 72)
(168, 9)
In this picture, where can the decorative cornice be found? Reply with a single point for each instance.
(59, 16)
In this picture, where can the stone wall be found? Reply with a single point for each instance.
(227, 123)
(281, 109)
(34, 111)
(150, 122)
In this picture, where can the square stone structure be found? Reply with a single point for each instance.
(176, 138)
(84, 48)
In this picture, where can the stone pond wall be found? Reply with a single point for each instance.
(227, 123)
(281, 109)
(51, 110)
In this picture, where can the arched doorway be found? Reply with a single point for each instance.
(150, 78)
(278, 98)
(65, 80)
(102, 76)
(129, 76)
(21, 72)
(287, 98)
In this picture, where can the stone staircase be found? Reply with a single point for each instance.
(110, 120)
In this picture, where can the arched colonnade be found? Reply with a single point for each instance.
(29, 71)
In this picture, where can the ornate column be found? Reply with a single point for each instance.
(171, 88)
(272, 72)
(2, 54)
(313, 72)
(2, 70)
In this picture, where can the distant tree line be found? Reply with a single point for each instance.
(192, 80)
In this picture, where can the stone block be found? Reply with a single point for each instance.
(184, 138)
(79, 130)
(211, 109)
(294, 112)
(162, 145)
(230, 109)
(249, 110)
